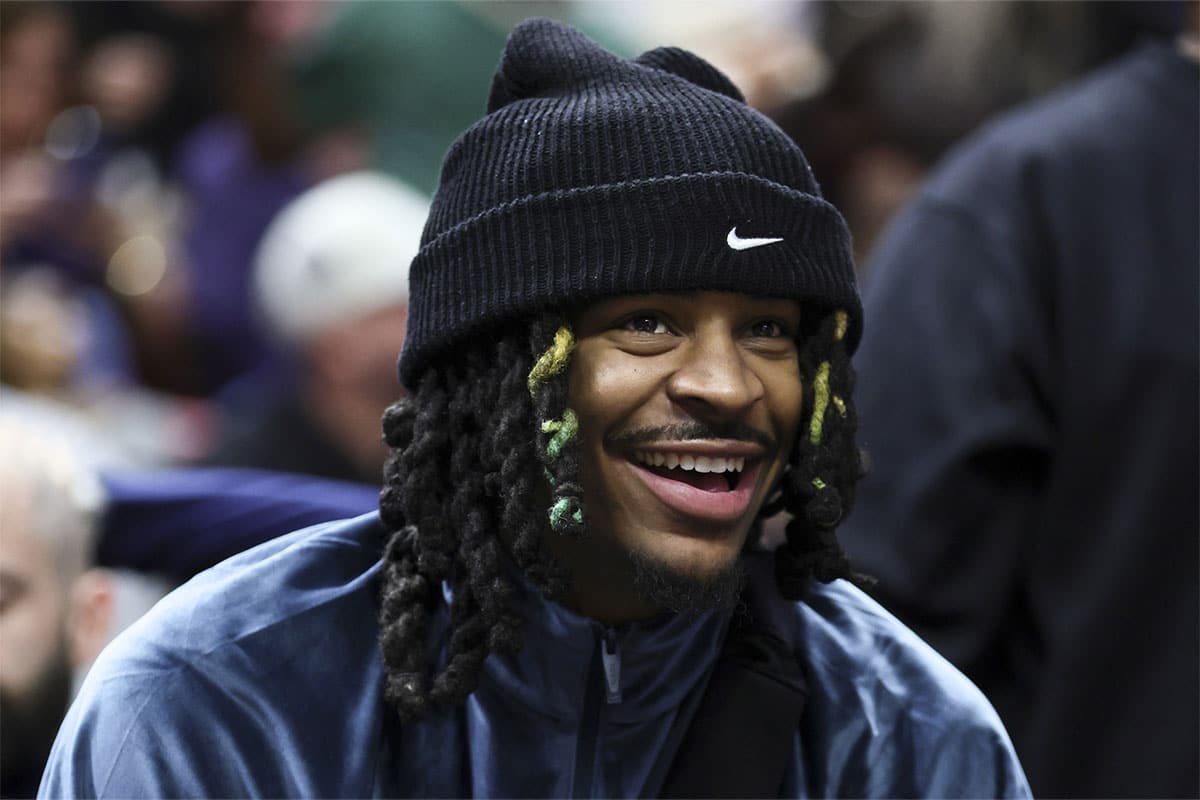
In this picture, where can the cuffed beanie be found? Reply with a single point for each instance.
(593, 175)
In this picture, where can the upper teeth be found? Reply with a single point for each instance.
(691, 462)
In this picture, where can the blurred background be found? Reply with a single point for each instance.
(190, 270)
(145, 147)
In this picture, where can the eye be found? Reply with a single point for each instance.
(644, 323)
(768, 329)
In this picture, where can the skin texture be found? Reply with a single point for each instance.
(51, 624)
(350, 381)
(703, 373)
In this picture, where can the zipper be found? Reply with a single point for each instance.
(610, 654)
(603, 689)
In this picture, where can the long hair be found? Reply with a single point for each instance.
(486, 442)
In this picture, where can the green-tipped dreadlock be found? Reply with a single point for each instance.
(470, 447)
(566, 509)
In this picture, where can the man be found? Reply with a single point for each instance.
(55, 610)
(1029, 395)
(331, 282)
(630, 326)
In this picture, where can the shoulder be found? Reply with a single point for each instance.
(881, 697)
(240, 671)
(1141, 106)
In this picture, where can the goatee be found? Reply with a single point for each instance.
(667, 587)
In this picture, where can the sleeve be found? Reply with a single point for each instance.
(105, 748)
(952, 386)
(181, 521)
(976, 761)
(167, 734)
(887, 716)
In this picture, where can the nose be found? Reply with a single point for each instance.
(713, 379)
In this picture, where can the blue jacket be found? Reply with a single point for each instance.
(263, 677)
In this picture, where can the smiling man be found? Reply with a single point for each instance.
(630, 326)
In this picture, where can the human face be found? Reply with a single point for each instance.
(35, 673)
(665, 386)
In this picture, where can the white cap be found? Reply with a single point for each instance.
(338, 252)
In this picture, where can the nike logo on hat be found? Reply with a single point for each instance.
(738, 243)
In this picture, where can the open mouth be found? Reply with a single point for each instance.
(709, 488)
(707, 473)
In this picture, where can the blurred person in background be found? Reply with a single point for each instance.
(238, 170)
(55, 609)
(58, 330)
(89, 542)
(331, 282)
(380, 71)
(81, 267)
(895, 84)
(82, 201)
(1028, 395)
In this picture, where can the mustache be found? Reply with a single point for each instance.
(690, 431)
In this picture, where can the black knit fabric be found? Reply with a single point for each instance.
(593, 175)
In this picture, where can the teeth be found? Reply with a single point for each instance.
(691, 462)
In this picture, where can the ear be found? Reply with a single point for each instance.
(89, 622)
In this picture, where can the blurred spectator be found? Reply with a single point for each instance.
(152, 70)
(1028, 394)
(903, 81)
(412, 76)
(82, 556)
(331, 278)
(55, 610)
(96, 233)
(57, 337)
(238, 169)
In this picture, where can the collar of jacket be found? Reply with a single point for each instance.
(662, 659)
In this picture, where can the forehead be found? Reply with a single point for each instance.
(698, 304)
(22, 552)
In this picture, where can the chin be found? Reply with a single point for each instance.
(701, 582)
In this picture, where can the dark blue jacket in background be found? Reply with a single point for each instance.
(1028, 395)
(178, 522)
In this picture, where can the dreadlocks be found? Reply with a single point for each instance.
(486, 443)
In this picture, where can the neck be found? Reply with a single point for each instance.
(602, 580)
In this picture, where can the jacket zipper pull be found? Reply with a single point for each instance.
(611, 655)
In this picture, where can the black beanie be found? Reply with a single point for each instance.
(593, 175)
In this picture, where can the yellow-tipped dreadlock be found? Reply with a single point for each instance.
(821, 398)
(553, 361)
(549, 364)
(821, 394)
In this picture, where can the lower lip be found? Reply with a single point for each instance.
(687, 500)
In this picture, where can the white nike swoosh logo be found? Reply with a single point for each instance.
(738, 243)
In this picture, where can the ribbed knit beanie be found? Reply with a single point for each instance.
(593, 175)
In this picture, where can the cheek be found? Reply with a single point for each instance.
(31, 631)
(786, 393)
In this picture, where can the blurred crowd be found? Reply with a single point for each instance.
(147, 146)
(207, 208)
